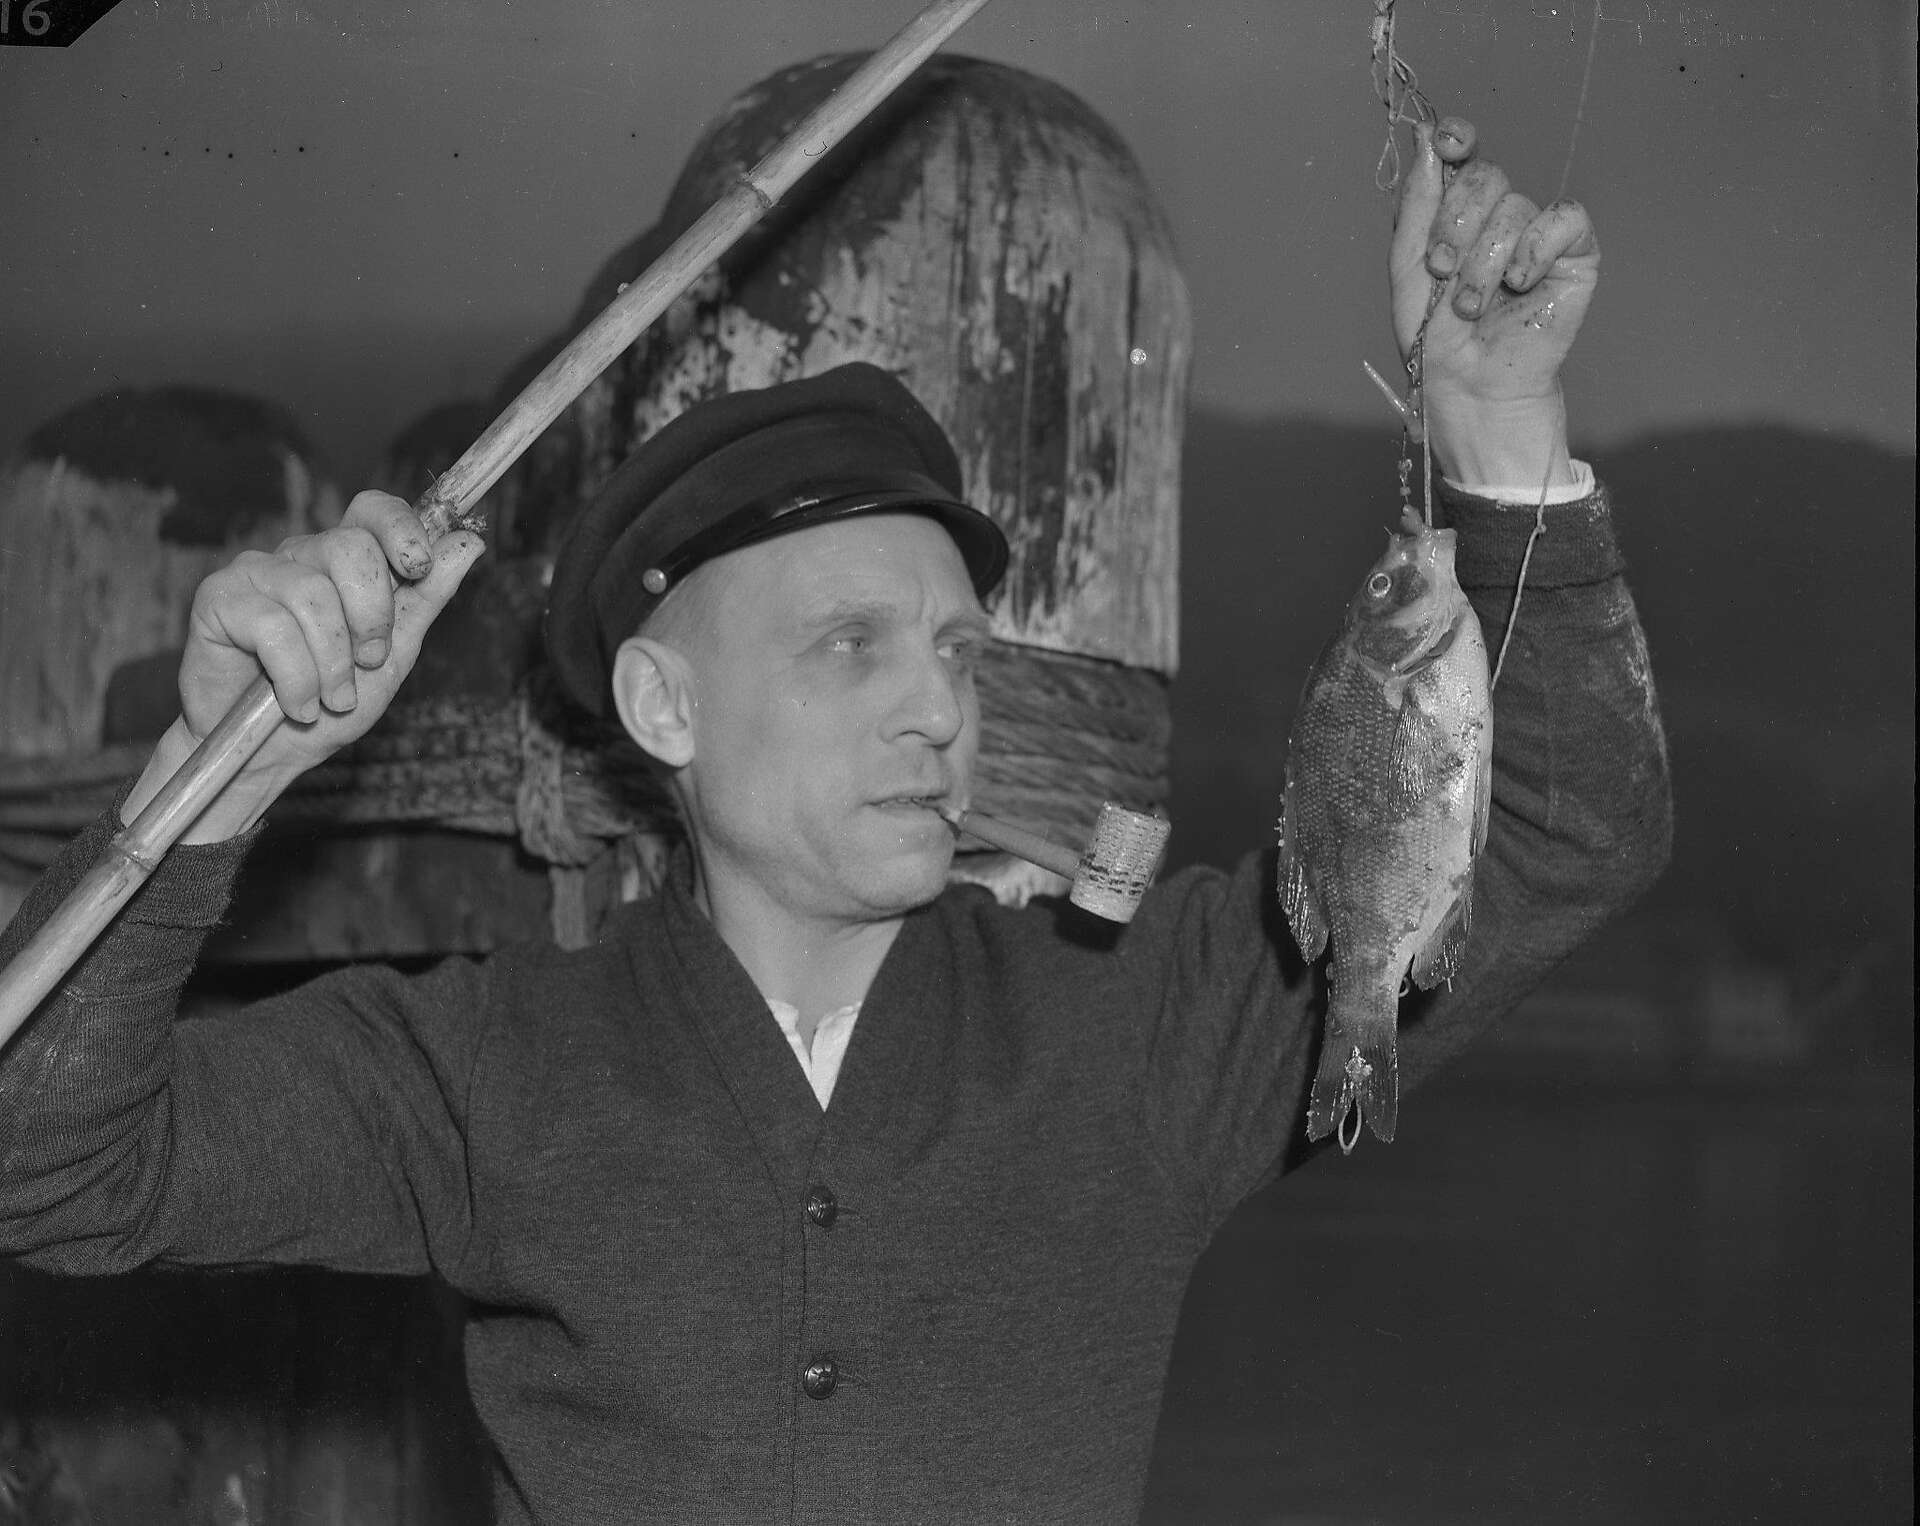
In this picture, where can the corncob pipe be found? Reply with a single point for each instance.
(1109, 876)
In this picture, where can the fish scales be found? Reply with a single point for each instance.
(1388, 780)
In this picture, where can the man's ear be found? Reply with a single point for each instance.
(653, 693)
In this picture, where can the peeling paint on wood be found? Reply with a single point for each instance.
(991, 240)
(95, 572)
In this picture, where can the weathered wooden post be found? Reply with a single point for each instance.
(987, 237)
(984, 235)
(110, 516)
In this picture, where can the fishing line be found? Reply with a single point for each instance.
(1580, 110)
(1398, 88)
(1526, 560)
(1546, 477)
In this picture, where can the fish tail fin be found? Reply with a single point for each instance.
(1359, 1077)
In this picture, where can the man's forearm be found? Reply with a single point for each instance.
(1579, 749)
(81, 1083)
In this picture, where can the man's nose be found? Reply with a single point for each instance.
(934, 703)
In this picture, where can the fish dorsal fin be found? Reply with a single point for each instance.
(1305, 915)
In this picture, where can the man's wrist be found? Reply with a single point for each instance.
(1507, 441)
(236, 809)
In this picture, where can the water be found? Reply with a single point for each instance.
(1563, 1302)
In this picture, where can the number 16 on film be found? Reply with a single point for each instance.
(48, 23)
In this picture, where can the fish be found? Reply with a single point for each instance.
(1388, 785)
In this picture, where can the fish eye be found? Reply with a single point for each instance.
(1378, 584)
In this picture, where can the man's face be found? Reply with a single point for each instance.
(835, 706)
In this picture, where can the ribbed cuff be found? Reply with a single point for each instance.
(1576, 547)
(192, 884)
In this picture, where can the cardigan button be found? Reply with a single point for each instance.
(821, 1207)
(821, 1377)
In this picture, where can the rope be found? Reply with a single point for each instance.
(1398, 88)
(1059, 734)
(539, 804)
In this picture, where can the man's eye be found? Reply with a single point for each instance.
(854, 643)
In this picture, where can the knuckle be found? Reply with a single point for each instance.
(357, 552)
(1518, 208)
(371, 503)
(277, 633)
(314, 599)
(224, 578)
(213, 588)
(1487, 181)
(325, 619)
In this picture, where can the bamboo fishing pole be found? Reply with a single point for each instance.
(137, 849)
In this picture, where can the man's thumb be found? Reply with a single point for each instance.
(453, 557)
(1420, 192)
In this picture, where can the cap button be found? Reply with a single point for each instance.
(654, 580)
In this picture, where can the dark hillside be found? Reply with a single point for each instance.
(1775, 574)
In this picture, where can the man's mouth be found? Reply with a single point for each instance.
(928, 802)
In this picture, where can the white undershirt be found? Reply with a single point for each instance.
(820, 1060)
(1521, 493)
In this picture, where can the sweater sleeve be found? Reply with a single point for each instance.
(1581, 825)
(320, 1127)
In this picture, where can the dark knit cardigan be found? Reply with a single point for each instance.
(612, 1153)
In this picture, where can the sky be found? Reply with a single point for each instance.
(364, 208)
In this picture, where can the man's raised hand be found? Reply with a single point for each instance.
(335, 620)
(1518, 281)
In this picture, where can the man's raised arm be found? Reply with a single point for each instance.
(92, 1105)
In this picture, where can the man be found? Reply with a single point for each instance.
(930, 1271)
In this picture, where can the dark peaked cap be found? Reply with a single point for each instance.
(743, 468)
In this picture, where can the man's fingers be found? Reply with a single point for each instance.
(1487, 259)
(1454, 139)
(1464, 209)
(392, 522)
(357, 564)
(257, 623)
(312, 597)
(297, 580)
(1561, 231)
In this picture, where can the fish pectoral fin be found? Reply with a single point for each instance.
(1441, 958)
(1416, 754)
(1303, 911)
